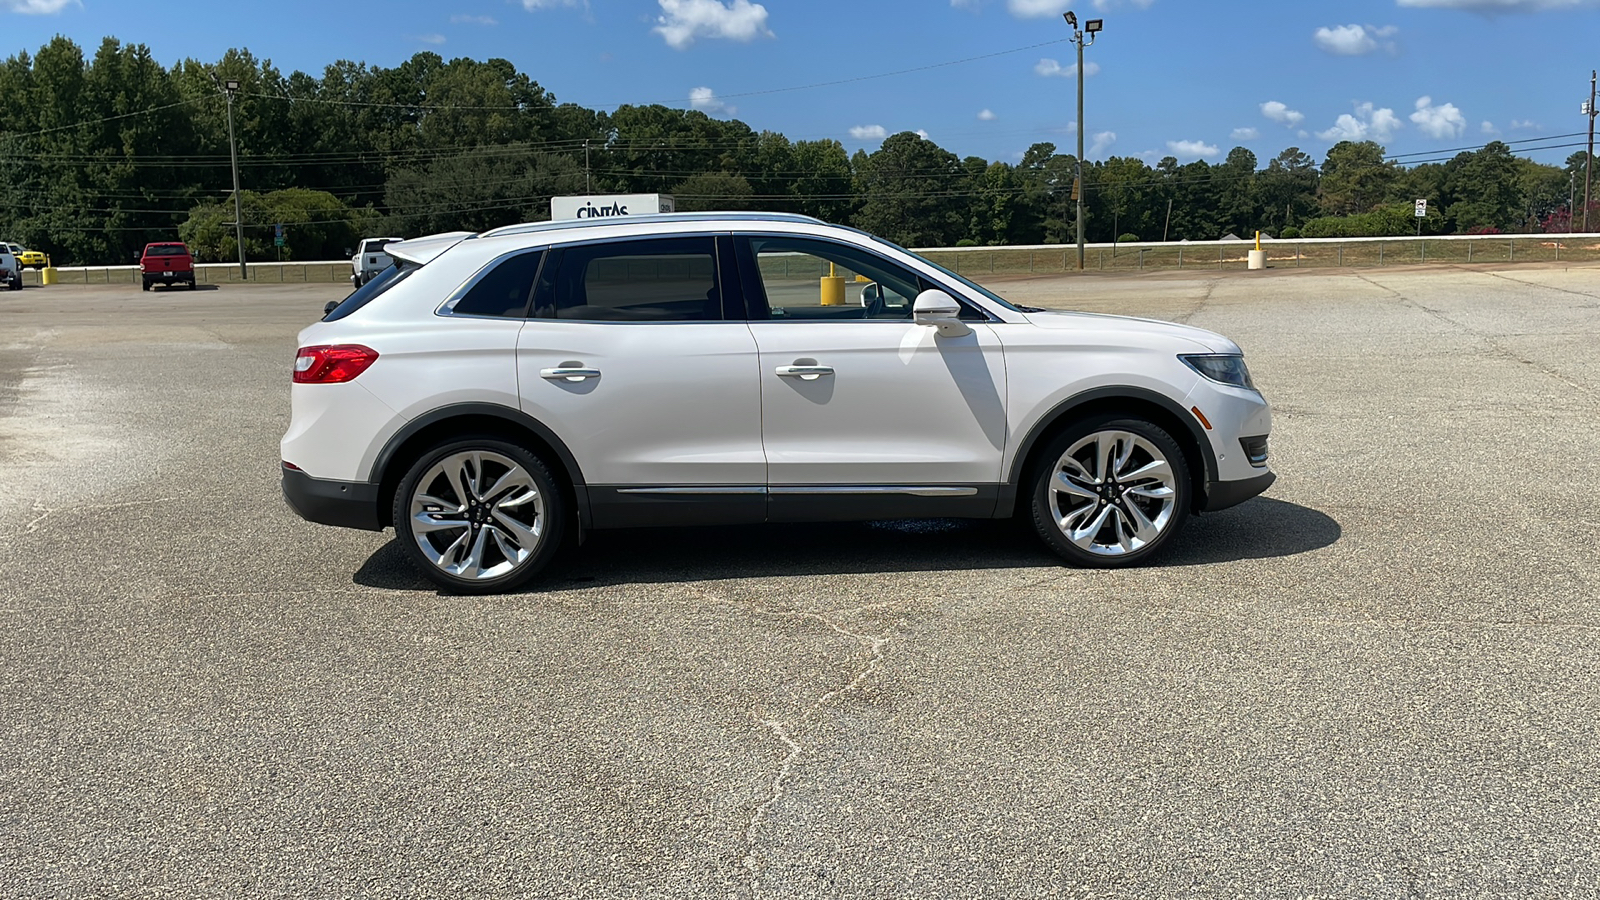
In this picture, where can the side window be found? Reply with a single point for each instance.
(503, 291)
(810, 280)
(647, 280)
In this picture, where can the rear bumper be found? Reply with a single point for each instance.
(1222, 494)
(346, 504)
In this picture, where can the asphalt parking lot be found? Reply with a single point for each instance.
(1380, 679)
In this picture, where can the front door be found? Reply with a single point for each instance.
(632, 361)
(864, 412)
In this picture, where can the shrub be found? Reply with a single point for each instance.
(1128, 239)
(1290, 233)
(1395, 220)
(966, 242)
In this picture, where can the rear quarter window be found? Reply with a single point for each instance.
(370, 291)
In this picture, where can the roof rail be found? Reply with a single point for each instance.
(534, 227)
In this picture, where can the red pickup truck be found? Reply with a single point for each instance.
(167, 263)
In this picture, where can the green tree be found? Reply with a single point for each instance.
(712, 191)
(907, 192)
(1356, 178)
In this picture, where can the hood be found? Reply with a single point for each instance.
(1092, 323)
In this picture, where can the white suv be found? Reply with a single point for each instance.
(492, 396)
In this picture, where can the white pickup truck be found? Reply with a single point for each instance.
(370, 259)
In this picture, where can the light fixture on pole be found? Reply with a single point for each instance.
(231, 86)
(1092, 27)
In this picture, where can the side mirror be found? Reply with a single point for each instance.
(332, 305)
(939, 310)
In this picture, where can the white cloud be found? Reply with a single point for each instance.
(869, 132)
(1278, 112)
(1345, 40)
(1193, 148)
(473, 20)
(434, 39)
(39, 7)
(686, 20)
(921, 134)
(1050, 68)
(1525, 125)
(532, 5)
(1101, 143)
(1368, 123)
(1488, 128)
(1439, 121)
(1499, 5)
(987, 115)
(1355, 40)
(705, 100)
(1245, 134)
(1033, 9)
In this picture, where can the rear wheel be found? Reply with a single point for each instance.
(480, 515)
(144, 284)
(1110, 492)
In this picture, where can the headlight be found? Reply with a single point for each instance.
(1221, 368)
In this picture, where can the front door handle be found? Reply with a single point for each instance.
(573, 374)
(804, 373)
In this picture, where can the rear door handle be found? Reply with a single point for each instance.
(807, 373)
(569, 373)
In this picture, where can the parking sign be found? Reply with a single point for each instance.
(1422, 209)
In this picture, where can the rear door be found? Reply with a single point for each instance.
(638, 358)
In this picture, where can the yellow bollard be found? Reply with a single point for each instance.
(47, 275)
(832, 288)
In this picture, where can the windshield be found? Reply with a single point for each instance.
(365, 294)
(978, 288)
(15, 248)
(166, 250)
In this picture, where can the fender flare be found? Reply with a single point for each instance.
(564, 455)
(1012, 486)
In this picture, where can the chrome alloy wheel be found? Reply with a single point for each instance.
(1112, 493)
(477, 515)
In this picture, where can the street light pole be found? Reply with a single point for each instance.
(1588, 161)
(1092, 27)
(233, 151)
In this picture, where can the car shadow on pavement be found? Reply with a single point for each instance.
(1258, 529)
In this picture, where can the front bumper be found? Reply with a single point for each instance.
(1222, 494)
(346, 504)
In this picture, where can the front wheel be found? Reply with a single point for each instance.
(480, 515)
(1110, 492)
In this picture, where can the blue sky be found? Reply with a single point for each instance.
(1167, 77)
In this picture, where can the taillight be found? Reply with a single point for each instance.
(332, 364)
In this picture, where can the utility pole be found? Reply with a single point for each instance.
(232, 87)
(1091, 27)
(586, 188)
(1588, 161)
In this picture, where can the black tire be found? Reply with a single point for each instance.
(144, 284)
(489, 522)
(1138, 516)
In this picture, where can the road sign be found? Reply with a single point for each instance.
(1422, 209)
(277, 235)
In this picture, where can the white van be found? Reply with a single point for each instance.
(370, 259)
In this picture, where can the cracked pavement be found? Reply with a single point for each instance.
(1379, 679)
